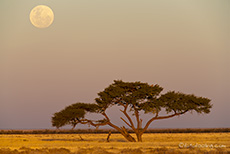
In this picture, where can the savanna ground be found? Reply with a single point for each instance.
(97, 143)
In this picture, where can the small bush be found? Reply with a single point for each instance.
(59, 151)
(93, 151)
(131, 151)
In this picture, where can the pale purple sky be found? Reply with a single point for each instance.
(180, 45)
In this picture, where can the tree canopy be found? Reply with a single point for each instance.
(72, 114)
(134, 97)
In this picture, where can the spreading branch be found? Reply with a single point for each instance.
(139, 97)
(86, 121)
(137, 118)
(127, 116)
(162, 117)
(121, 130)
(126, 122)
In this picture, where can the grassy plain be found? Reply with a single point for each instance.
(96, 143)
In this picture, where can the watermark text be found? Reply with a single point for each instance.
(197, 145)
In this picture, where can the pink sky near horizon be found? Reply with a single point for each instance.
(180, 45)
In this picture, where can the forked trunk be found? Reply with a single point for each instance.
(127, 135)
(123, 132)
(139, 137)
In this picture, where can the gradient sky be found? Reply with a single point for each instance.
(180, 45)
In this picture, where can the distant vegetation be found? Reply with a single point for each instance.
(101, 131)
(134, 98)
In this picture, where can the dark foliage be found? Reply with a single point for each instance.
(134, 97)
(71, 114)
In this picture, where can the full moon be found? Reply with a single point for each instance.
(41, 16)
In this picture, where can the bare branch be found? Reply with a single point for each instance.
(109, 122)
(126, 122)
(149, 122)
(137, 117)
(162, 117)
(122, 131)
(128, 117)
(122, 104)
(105, 115)
(184, 112)
(170, 116)
(86, 121)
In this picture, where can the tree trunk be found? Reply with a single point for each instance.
(123, 132)
(109, 136)
(139, 137)
(127, 135)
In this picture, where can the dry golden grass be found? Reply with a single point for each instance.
(152, 143)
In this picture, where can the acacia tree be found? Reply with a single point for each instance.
(134, 97)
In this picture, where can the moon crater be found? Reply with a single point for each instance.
(41, 16)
